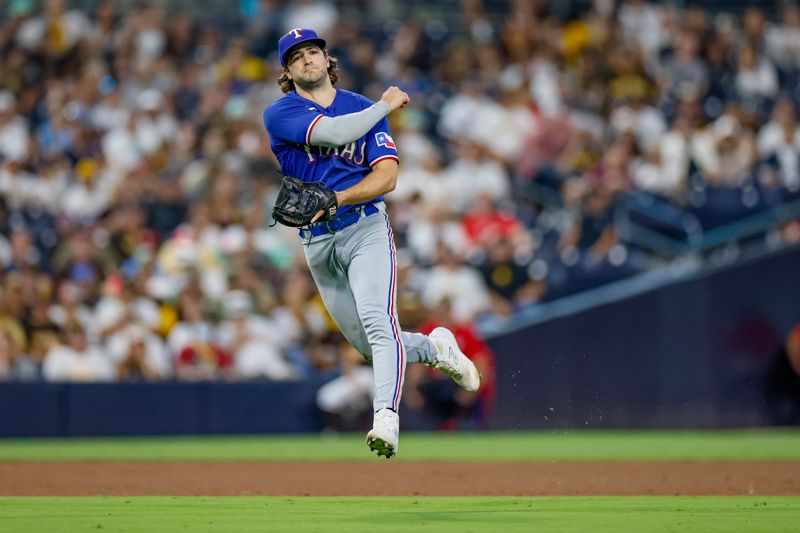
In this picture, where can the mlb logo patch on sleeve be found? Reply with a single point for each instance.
(384, 139)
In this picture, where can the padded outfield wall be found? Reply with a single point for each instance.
(699, 352)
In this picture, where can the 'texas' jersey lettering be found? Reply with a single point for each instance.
(290, 122)
(355, 152)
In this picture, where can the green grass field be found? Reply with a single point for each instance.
(242, 514)
(440, 514)
(495, 446)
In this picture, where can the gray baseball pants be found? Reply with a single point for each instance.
(355, 270)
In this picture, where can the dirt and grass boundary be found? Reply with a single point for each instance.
(399, 478)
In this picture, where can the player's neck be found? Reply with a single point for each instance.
(321, 95)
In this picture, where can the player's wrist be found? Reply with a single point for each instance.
(384, 106)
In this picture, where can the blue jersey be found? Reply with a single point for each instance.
(290, 121)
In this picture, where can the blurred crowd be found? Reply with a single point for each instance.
(136, 179)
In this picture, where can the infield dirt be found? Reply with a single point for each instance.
(403, 478)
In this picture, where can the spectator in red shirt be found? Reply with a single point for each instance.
(194, 343)
(484, 222)
(782, 382)
(446, 406)
(793, 348)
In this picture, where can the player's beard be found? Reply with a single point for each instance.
(313, 81)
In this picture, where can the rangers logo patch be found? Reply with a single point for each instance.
(384, 139)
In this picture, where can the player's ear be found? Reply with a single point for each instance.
(286, 72)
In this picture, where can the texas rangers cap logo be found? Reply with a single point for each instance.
(384, 139)
(294, 37)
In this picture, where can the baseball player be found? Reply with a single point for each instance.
(342, 139)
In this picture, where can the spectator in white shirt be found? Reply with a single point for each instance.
(251, 340)
(473, 172)
(645, 121)
(318, 14)
(13, 130)
(55, 32)
(778, 143)
(345, 399)
(459, 113)
(194, 343)
(126, 318)
(432, 226)
(756, 77)
(783, 39)
(91, 194)
(77, 360)
(460, 284)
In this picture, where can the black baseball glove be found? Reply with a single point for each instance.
(298, 201)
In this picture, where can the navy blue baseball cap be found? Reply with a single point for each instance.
(295, 37)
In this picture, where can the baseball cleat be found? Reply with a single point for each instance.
(384, 436)
(452, 361)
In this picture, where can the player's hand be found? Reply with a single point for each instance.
(319, 214)
(395, 97)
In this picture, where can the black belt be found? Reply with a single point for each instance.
(338, 223)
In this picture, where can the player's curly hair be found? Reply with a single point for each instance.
(287, 85)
